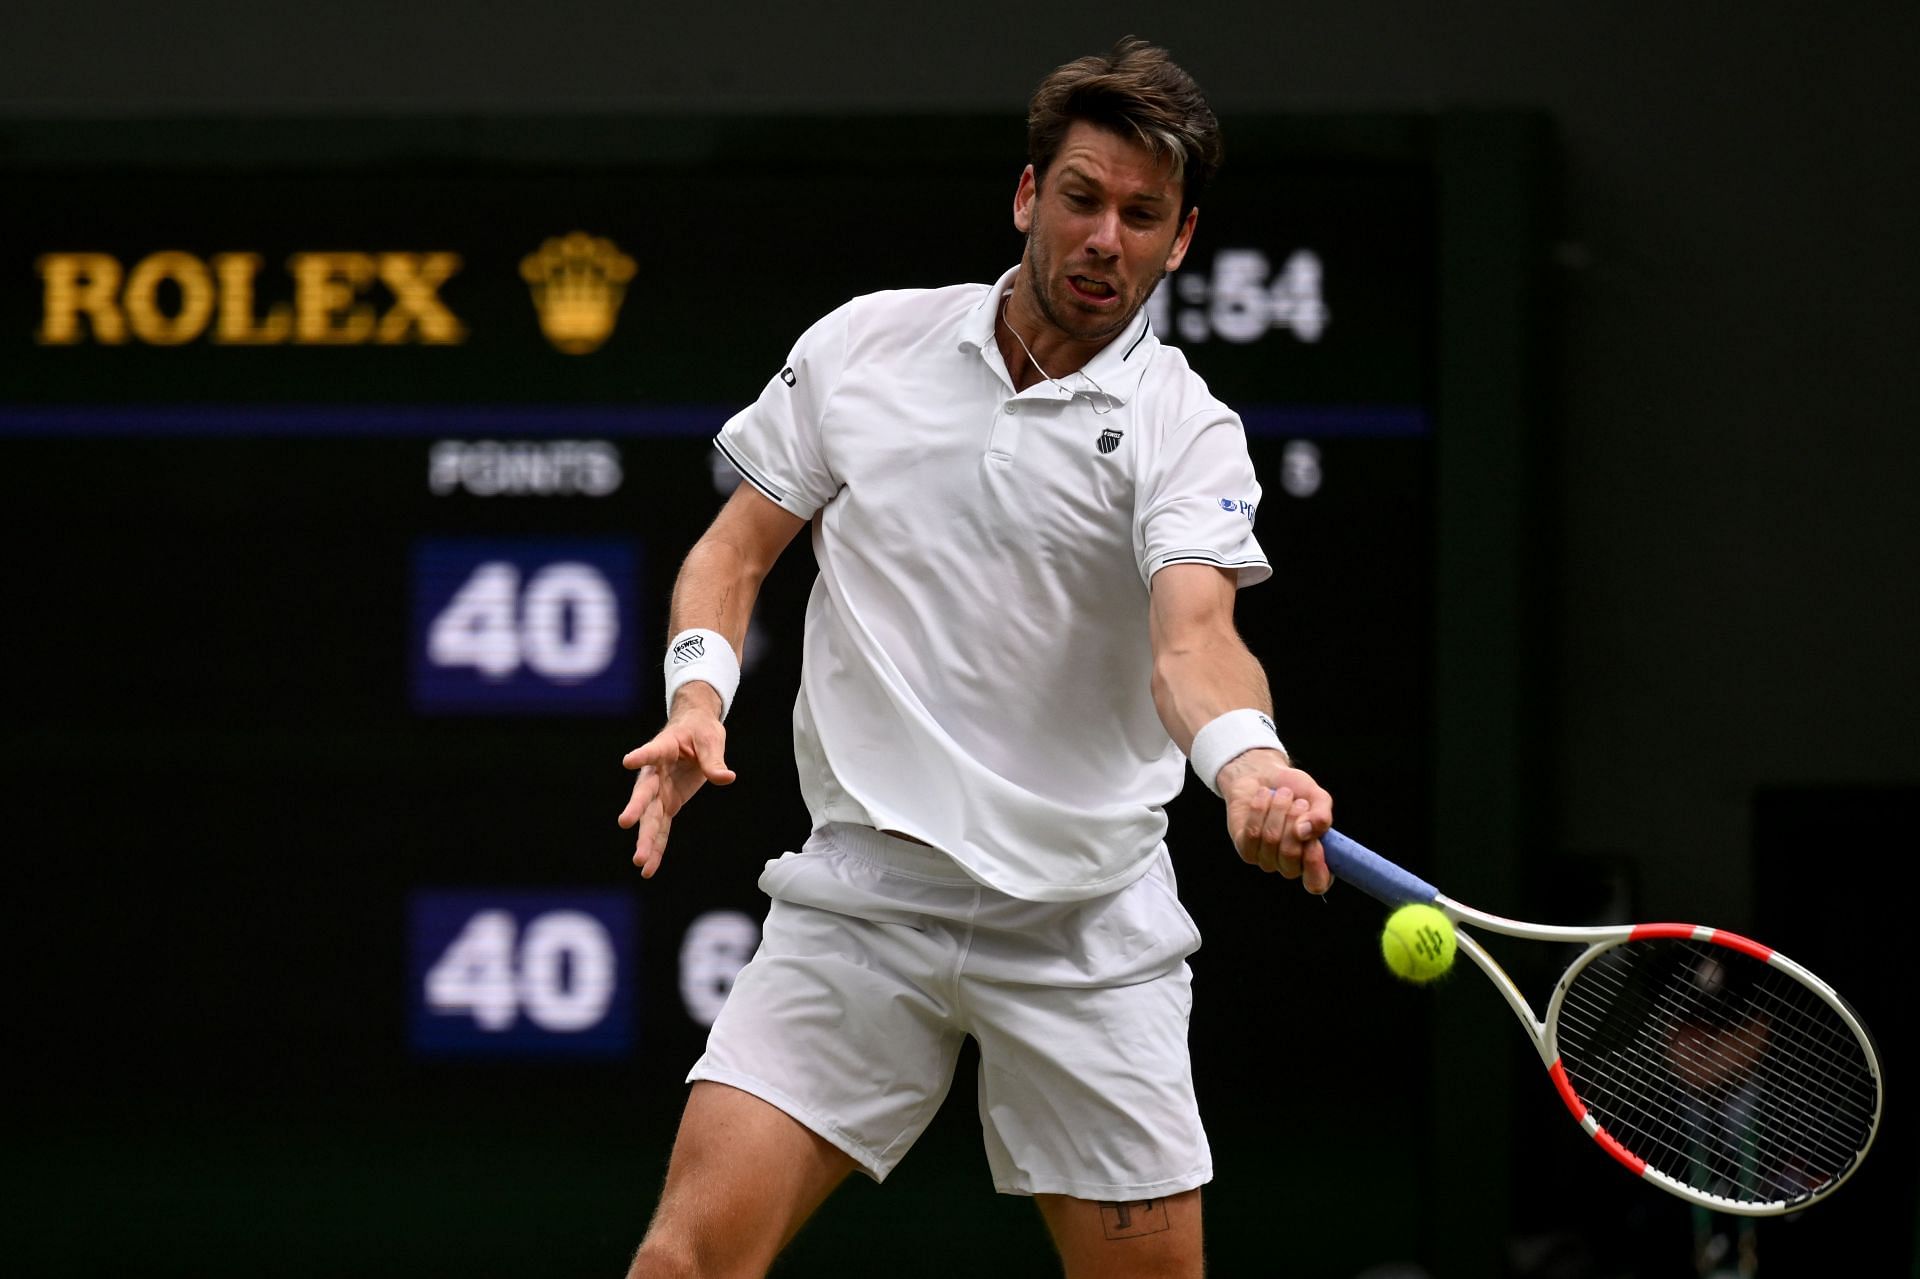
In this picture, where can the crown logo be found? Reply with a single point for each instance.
(578, 282)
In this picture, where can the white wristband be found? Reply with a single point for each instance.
(706, 656)
(1226, 738)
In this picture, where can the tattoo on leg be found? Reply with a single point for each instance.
(1129, 1220)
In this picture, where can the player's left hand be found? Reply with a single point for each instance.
(1276, 815)
(690, 752)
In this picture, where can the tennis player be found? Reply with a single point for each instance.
(1030, 520)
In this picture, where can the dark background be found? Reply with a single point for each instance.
(1724, 534)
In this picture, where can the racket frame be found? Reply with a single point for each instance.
(1395, 886)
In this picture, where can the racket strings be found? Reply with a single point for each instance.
(1685, 1113)
(1685, 1131)
(1682, 1123)
(1717, 1149)
(1694, 1108)
(1693, 1063)
(1721, 1071)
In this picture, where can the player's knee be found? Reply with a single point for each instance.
(672, 1252)
(665, 1256)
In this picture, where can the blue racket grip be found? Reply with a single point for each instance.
(1373, 874)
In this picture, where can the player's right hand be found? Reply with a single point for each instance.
(688, 753)
(1276, 815)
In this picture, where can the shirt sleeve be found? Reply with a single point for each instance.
(1198, 501)
(777, 442)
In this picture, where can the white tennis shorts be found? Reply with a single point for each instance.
(880, 956)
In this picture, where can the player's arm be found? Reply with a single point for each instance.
(715, 591)
(1202, 670)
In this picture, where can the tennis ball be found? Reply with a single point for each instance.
(1418, 943)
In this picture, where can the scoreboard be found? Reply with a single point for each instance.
(344, 471)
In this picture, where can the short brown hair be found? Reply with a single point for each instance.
(1136, 90)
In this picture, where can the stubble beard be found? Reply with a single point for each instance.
(1044, 282)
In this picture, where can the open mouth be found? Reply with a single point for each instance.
(1091, 290)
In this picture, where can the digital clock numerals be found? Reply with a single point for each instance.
(1241, 299)
(527, 627)
(522, 973)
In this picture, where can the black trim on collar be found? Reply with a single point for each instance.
(1145, 328)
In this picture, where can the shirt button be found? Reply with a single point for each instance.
(1012, 409)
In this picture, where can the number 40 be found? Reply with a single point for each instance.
(564, 626)
(560, 974)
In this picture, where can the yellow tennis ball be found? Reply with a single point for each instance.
(1418, 944)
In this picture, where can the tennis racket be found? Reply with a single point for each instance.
(1708, 1064)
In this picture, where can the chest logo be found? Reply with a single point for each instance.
(1109, 440)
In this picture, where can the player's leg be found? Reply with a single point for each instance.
(1157, 1238)
(832, 1052)
(744, 1178)
(1087, 1102)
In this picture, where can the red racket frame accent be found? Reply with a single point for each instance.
(1560, 1081)
(1634, 1163)
(1718, 936)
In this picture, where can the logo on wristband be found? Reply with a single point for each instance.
(690, 649)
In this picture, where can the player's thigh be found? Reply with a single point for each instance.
(744, 1178)
(1158, 1237)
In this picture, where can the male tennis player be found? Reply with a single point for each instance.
(1030, 520)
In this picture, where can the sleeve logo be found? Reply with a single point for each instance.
(1230, 505)
(787, 376)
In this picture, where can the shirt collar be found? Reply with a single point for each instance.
(1115, 370)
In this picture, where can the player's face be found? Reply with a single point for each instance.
(1101, 231)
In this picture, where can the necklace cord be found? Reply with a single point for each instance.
(1098, 411)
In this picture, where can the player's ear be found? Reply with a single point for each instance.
(1023, 197)
(1178, 252)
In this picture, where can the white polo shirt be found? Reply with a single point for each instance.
(977, 667)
